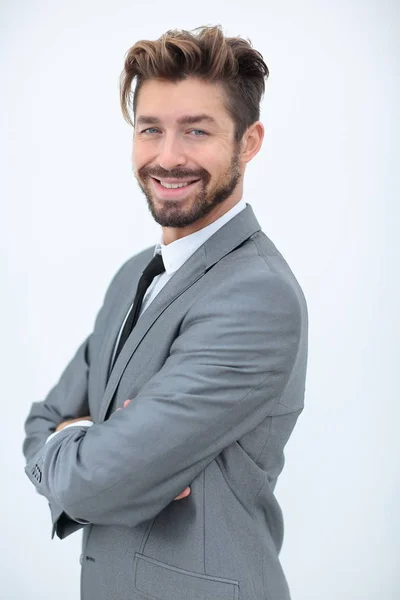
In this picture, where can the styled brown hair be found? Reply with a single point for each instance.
(204, 53)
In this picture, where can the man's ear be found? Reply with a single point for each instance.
(251, 141)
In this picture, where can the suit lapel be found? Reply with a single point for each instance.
(126, 293)
(223, 241)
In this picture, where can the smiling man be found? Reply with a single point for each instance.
(187, 159)
(193, 378)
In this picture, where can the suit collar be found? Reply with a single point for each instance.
(178, 252)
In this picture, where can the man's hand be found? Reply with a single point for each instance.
(186, 491)
(65, 423)
(183, 494)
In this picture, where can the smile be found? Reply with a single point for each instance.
(170, 185)
(172, 189)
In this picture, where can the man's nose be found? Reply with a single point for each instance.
(171, 153)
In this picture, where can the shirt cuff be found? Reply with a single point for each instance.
(83, 423)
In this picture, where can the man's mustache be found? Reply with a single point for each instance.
(160, 173)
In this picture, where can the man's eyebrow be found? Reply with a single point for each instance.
(191, 119)
(186, 120)
(143, 120)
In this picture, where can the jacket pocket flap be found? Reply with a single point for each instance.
(165, 582)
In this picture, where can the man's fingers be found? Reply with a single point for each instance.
(125, 404)
(69, 421)
(183, 494)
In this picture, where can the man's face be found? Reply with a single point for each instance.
(184, 135)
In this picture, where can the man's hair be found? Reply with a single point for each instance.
(204, 53)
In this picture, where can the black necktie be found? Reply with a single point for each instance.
(155, 267)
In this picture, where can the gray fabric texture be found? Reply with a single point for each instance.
(216, 371)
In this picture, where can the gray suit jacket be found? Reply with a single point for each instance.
(216, 369)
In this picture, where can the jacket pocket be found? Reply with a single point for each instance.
(165, 582)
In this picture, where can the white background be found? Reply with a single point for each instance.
(325, 190)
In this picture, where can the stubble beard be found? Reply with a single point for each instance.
(172, 214)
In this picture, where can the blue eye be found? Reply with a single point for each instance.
(199, 130)
(149, 129)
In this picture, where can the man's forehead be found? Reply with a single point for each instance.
(183, 102)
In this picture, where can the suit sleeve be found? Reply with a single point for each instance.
(226, 372)
(68, 399)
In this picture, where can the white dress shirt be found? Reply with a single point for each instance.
(174, 256)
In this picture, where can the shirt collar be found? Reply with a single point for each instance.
(177, 252)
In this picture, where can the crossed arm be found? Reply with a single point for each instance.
(64, 424)
(226, 372)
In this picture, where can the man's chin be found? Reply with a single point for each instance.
(174, 213)
(168, 206)
(171, 218)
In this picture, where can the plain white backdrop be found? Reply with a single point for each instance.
(325, 190)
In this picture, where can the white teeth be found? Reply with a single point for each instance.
(174, 185)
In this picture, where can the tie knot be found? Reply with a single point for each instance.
(155, 267)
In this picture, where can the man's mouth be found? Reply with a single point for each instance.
(174, 184)
(173, 189)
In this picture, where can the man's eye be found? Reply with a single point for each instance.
(198, 131)
(149, 129)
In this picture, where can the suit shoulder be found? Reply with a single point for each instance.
(258, 267)
(276, 263)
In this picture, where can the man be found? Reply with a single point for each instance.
(194, 376)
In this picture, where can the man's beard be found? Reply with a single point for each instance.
(171, 213)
